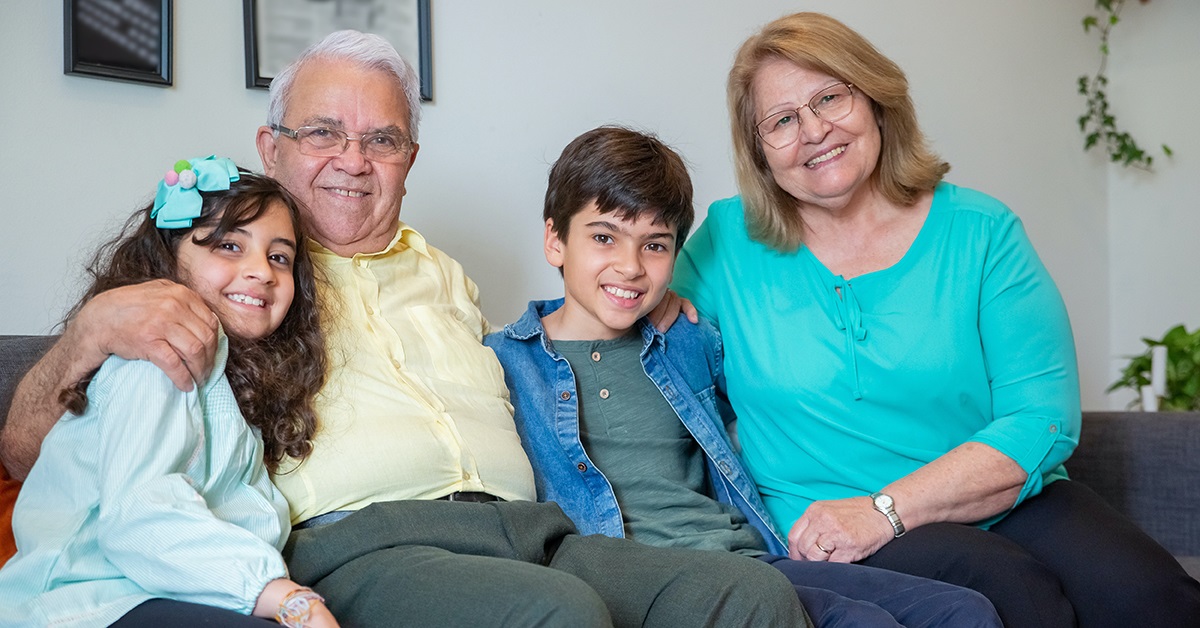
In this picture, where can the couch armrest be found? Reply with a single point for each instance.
(1147, 465)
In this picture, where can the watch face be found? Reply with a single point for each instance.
(884, 501)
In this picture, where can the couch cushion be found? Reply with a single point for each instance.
(1145, 465)
(1191, 564)
(17, 354)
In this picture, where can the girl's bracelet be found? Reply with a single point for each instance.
(296, 606)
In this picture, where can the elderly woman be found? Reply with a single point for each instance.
(899, 358)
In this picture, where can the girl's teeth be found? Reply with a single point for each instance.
(241, 298)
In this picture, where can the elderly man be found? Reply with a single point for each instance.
(416, 503)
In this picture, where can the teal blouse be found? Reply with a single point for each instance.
(842, 386)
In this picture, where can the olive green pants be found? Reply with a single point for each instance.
(437, 563)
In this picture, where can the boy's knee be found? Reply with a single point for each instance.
(734, 591)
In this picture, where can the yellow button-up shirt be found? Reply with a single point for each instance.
(415, 406)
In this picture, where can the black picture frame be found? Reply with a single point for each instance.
(128, 41)
(257, 27)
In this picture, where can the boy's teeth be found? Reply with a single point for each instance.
(248, 300)
(624, 294)
(827, 156)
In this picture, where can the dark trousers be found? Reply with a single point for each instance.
(158, 613)
(837, 595)
(437, 563)
(1062, 558)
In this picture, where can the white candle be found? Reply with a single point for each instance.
(1149, 399)
(1158, 370)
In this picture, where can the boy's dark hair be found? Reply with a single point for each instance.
(623, 171)
(275, 378)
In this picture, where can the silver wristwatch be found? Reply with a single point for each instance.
(887, 506)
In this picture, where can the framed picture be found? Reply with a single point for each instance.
(277, 31)
(122, 41)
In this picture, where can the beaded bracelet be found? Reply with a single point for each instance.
(295, 607)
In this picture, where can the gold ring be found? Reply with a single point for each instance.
(822, 548)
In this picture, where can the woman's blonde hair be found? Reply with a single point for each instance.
(906, 167)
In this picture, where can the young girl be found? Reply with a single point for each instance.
(152, 506)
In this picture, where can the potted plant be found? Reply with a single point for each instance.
(1182, 369)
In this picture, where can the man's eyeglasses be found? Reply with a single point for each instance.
(320, 141)
(831, 104)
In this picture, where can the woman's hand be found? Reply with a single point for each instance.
(967, 484)
(839, 531)
(672, 305)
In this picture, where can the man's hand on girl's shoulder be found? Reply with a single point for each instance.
(160, 321)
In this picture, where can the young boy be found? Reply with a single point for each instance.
(626, 426)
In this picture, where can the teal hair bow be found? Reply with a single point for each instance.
(178, 201)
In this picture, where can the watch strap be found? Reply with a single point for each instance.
(889, 512)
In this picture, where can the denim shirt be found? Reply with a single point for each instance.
(685, 365)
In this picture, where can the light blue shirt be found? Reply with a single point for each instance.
(151, 493)
(841, 386)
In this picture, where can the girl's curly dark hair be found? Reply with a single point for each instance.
(274, 379)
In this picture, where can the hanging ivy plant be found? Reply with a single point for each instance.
(1098, 123)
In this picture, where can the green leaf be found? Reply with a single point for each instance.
(1167, 150)
(1089, 22)
(1183, 369)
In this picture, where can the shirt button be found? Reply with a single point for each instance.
(604, 393)
(582, 467)
(565, 395)
(595, 356)
(1053, 429)
(396, 363)
(466, 475)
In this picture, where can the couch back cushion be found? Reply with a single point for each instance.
(17, 354)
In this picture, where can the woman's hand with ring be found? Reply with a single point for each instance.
(840, 531)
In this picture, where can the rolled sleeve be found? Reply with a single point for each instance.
(1029, 353)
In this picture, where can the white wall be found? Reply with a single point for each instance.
(515, 81)
(1154, 219)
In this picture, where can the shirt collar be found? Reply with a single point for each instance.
(530, 324)
(406, 238)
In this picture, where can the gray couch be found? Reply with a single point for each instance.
(1145, 465)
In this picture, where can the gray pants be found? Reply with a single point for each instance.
(437, 563)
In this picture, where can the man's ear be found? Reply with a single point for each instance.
(265, 140)
(554, 246)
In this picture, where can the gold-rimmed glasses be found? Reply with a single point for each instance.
(782, 128)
